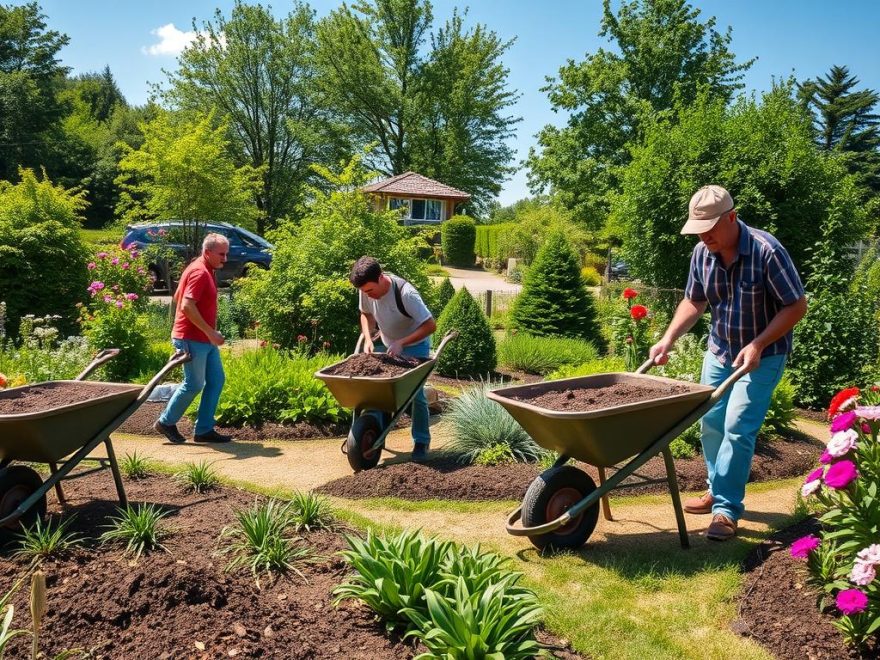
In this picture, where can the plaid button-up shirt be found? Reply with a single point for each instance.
(744, 297)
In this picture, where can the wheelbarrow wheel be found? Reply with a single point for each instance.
(361, 437)
(550, 495)
(17, 483)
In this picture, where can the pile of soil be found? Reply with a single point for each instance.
(381, 365)
(777, 608)
(443, 477)
(182, 603)
(595, 398)
(46, 396)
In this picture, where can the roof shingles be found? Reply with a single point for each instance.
(410, 183)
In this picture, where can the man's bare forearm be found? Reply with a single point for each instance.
(686, 315)
(785, 319)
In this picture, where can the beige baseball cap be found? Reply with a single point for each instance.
(707, 206)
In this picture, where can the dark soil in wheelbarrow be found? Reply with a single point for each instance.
(777, 607)
(378, 365)
(595, 398)
(443, 477)
(38, 398)
(183, 603)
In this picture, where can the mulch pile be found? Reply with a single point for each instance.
(381, 365)
(46, 396)
(444, 478)
(777, 608)
(595, 398)
(182, 603)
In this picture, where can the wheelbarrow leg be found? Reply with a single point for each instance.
(606, 506)
(676, 497)
(117, 477)
(59, 491)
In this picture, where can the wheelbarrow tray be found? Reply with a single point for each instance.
(376, 393)
(606, 436)
(47, 436)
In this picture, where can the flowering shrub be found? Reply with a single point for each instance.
(843, 562)
(120, 274)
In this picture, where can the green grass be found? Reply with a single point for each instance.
(541, 355)
(99, 237)
(46, 540)
(436, 270)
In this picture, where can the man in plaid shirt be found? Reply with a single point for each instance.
(749, 283)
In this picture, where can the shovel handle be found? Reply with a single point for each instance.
(104, 356)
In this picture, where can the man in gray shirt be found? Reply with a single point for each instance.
(405, 326)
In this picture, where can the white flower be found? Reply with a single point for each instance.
(868, 412)
(870, 555)
(862, 573)
(841, 442)
(810, 487)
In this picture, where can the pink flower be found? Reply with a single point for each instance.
(97, 286)
(851, 601)
(814, 475)
(125, 265)
(804, 546)
(866, 428)
(862, 574)
(92, 265)
(826, 458)
(870, 555)
(101, 255)
(843, 421)
(108, 298)
(841, 474)
(810, 487)
(141, 271)
(114, 260)
(302, 339)
(131, 296)
(120, 304)
(842, 442)
(868, 412)
(134, 254)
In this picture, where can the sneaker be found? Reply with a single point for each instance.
(722, 528)
(420, 452)
(700, 505)
(212, 436)
(169, 431)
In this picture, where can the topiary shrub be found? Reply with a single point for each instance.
(458, 235)
(443, 294)
(591, 276)
(473, 352)
(554, 300)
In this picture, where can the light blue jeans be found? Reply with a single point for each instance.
(203, 372)
(421, 417)
(730, 428)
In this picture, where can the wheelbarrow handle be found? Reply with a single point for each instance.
(719, 392)
(452, 334)
(104, 356)
(179, 357)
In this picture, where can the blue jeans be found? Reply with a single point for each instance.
(421, 417)
(204, 371)
(730, 428)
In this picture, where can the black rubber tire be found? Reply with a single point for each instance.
(361, 437)
(17, 483)
(553, 492)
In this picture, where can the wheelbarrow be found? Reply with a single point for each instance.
(561, 507)
(48, 436)
(368, 395)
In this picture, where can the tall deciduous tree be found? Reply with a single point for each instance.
(258, 72)
(663, 52)
(440, 108)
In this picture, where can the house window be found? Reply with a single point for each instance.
(418, 210)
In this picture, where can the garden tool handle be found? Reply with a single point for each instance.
(452, 334)
(179, 357)
(721, 390)
(646, 365)
(104, 356)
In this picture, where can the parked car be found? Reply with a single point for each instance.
(247, 250)
(619, 270)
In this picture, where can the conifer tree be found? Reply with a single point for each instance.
(473, 352)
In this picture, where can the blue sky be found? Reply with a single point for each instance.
(800, 37)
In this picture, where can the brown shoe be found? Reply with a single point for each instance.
(700, 505)
(722, 528)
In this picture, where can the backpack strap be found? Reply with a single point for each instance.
(398, 298)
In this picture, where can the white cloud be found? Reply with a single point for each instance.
(171, 41)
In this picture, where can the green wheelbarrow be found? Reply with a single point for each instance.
(377, 403)
(561, 507)
(62, 437)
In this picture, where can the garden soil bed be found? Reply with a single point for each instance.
(443, 477)
(596, 398)
(377, 365)
(182, 603)
(46, 396)
(777, 608)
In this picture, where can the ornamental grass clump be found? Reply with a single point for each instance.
(45, 540)
(843, 559)
(139, 527)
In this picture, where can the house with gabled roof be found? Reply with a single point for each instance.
(420, 200)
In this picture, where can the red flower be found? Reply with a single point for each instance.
(302, 339)
(263, 343)
(629, 294)
(841, 400)
(638, 312)
(3, 381)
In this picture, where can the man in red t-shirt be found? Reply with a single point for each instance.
(195, 332)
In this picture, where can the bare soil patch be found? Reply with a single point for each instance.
(777, 608)
(380, 365)
(443, 477)
(595, 398)
(183, 604)
(37, 398)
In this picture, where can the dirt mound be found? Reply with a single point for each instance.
(595, 398)
(380, 365)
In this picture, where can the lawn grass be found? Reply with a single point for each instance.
(101, 237)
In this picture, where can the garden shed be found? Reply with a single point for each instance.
(421, 200)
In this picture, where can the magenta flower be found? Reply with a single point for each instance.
(108, 298)
(843, 421)
(97, 286)
(92, 265)
(804, 546)
(851, 601)
(814, 475)
(101, 255)
(125, 265)
(131, 296)
(120, 304)
(841, 474)
(114, 260)
(134, 254)
(826, 458)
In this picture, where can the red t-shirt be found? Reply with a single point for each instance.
(197, 283)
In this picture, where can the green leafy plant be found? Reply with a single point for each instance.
(541, 355)
(139, 527)
(479, 424)
(311, 512)
(198, 477)
(135, 466)
(458, 236)
(45, 540)
(603, 365)
(40, 354)
(473, 352)
(497, 454)
(6, 630)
